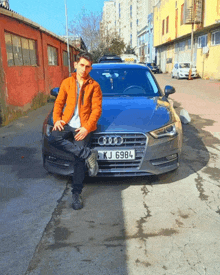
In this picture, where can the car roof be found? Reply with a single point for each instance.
(110, 57)
(119, 66)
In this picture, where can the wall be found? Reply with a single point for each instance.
(23, 83)
(212, 12)
(208, 65)
(171, 8)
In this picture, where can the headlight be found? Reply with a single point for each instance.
(47, 129)
(167, 131)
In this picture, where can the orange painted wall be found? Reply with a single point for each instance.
(23, 83)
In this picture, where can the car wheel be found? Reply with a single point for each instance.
(172, 75)
(178, 77)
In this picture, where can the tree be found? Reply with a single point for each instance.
(117, 46)
(87, 26)
(129, 50)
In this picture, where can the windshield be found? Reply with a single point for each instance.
(184, 65)
(125, 82)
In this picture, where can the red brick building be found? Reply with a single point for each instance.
(32, 61)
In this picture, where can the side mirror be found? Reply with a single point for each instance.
(54, 91)
(169, 90)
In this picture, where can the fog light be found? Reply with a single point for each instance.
(174, 156)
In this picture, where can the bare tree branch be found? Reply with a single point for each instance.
(87, 26)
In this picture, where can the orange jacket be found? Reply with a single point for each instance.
(89, 102)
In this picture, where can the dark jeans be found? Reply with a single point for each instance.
(76, 150)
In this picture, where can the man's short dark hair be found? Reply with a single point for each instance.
(85, 55)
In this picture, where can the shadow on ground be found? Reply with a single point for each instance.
(24, 162)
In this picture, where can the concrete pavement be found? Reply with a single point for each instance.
(164, 225)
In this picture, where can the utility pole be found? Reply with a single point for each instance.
(67, 37)
(193, 17)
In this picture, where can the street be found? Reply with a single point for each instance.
(157, 225)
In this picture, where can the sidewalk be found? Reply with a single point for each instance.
(199, 97)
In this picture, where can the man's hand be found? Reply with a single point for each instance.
(82, 133)
(59, 125)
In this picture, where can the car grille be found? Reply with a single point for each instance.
(121, 168)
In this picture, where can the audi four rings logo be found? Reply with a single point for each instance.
(110, 140)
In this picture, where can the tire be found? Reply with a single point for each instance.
(172, 75)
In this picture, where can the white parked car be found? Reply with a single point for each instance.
(181, 70)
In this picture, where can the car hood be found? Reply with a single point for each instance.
(136, 114)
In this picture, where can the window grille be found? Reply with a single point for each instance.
(20, 51)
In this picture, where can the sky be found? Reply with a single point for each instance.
(50, 14)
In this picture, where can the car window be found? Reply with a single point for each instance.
(125, 82)
(184, 65)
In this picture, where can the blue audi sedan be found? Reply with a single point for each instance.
(139, 132)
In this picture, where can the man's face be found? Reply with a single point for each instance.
(83, 67)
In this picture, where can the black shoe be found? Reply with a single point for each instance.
(77, 201)
(92, 163)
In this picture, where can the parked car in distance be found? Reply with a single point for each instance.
(110, 59)
(139, 132)
(154, 68)
(181, 70)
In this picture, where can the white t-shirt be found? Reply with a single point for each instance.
(75, 120)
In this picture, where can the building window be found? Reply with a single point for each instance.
(189, 44)
(202, 41)
(65, 58)
(163, 23)
(52, 56)
(218, 7)
(131, 25)
(131, 40)
(215, 38)
(20, 51)
(137, 22)
(131, 11)
(176, 47)
(167, 29)
(182, 14)
(119, 10)
(182, 46)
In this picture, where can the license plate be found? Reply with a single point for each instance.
(116, 154)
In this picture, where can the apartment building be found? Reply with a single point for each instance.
(131, 23)
(146, 50)
(108, 23)
(172, 35)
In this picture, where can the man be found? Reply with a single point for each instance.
(82, 98)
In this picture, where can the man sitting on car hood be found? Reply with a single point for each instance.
(82, 98)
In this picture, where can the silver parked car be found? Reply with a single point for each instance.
(181, 70)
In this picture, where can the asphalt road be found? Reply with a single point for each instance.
(163, 225)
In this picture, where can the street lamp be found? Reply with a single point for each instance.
(67, 37)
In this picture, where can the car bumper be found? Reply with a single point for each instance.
(153, 157)
(187, 75)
